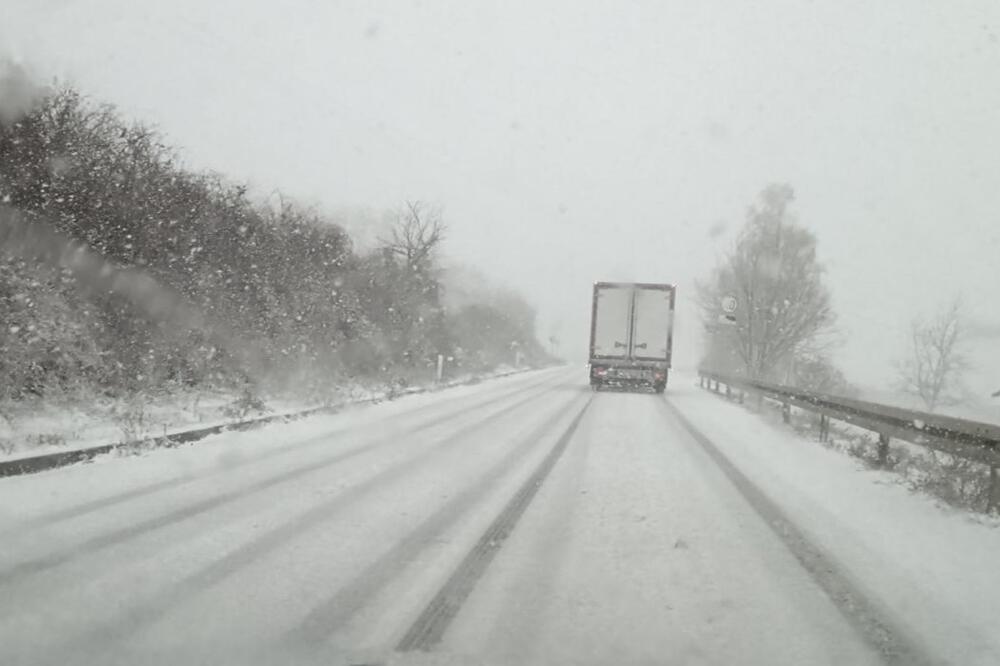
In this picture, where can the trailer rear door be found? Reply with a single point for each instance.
(653, 319)
(612, 313)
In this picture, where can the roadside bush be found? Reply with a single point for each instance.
(131, 418)
(246, 404)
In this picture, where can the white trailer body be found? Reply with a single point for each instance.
(631, 334)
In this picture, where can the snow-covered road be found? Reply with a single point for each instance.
(523, 520)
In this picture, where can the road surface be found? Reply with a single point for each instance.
(525, 520)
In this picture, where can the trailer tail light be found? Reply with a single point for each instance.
(658, 375)
(600, 372)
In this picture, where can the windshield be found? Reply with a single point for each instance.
(450, 332)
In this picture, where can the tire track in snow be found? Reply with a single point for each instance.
(97, 642)
(339, 608)
(429, 628)
(872, 623)
(110, 539)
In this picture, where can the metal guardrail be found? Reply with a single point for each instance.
(972, 440)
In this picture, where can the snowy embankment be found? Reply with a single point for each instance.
(44, 427)
(931, 565)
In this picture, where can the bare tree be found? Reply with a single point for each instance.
(783, 307)
(933, 370)
(417, 231)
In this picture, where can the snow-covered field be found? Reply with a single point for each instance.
(333, 539)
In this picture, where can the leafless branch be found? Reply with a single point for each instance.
(416, 233)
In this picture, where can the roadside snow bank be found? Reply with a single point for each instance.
(29, 429)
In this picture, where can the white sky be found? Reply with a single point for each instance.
(574, 140)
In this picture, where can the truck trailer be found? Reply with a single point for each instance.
(631, 335)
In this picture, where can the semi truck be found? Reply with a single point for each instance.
(631, 335)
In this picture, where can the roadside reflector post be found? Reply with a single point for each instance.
(729, 392)
(440, 368)
(883, 449)
(786, 412)
(824, 427)
(742, 396)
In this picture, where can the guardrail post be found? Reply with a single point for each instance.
(824, 427)
(883, 450)
(993, 500)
